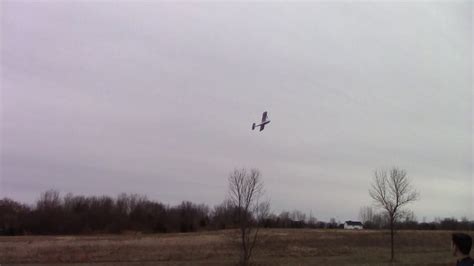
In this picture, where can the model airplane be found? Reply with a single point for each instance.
(264, 122)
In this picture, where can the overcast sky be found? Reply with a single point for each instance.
(158, 99)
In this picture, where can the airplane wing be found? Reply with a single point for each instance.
(262, 127)
(264, 116)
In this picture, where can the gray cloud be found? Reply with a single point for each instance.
(158, 98)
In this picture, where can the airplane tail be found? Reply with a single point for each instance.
(253, 126)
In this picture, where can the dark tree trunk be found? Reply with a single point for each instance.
(391, 239)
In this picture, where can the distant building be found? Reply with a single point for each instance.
(353, 225)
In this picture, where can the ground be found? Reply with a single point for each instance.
(277, 247)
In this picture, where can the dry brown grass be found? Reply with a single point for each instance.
(277, 247)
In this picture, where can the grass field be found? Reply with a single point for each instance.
(277, 247)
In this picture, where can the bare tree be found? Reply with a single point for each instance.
(297, 215)
(392, 192)
(408, 216)
(49, 200)
(312, 220)
(284, 218)
(245, 192)
(366, 214)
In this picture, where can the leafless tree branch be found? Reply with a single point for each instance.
(245, 191)
(391, 192)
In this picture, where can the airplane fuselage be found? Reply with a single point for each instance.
(262, 124)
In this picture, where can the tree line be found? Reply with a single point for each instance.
(75, 214)
(408, 221)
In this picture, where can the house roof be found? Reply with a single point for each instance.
(353, 223)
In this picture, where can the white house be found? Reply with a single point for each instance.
(353, 225)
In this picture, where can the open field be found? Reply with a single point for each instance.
(277, 247)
